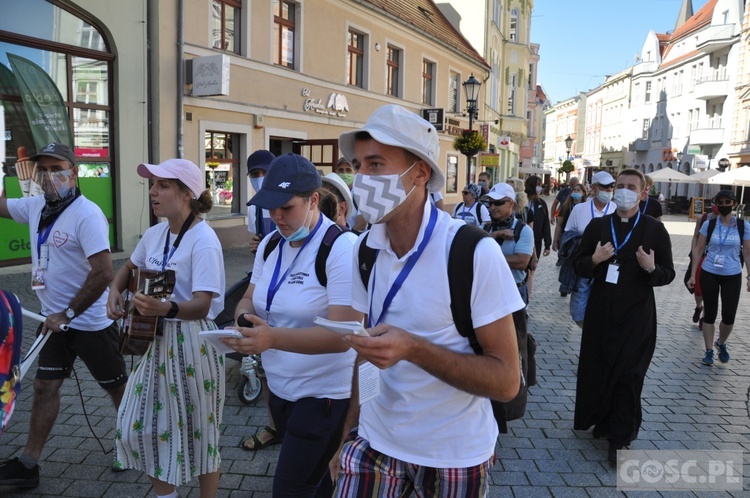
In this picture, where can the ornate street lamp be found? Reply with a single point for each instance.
(471, 89)
(568, 145)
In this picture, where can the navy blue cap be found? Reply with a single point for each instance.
(725, 193)
(260, 159)
(287, 176)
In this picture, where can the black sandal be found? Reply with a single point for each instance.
(257, 443)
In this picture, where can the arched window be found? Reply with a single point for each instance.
(63, 50)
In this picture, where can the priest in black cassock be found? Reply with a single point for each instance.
(627, 254)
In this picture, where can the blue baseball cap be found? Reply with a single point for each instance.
(260, 159)
(287, 176)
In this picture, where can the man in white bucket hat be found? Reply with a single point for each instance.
(433, 390)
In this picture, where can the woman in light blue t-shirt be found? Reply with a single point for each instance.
(721, 273)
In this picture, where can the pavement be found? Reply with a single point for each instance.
(685, 406)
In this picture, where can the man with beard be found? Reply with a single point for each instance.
(71, 269)
(433, 391)
(626, 254)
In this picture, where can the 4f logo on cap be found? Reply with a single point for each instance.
(284, 184)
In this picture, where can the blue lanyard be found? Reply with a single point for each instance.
(645, 206)
(276, 282)
(401, 278)
(463, 213)
(41, 239)
(726, 234)
(627, 238)
(604, 212)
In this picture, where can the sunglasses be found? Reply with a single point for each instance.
(499, 203)
(465, 192)
(727, 202)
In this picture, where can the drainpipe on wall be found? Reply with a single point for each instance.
(180, 75)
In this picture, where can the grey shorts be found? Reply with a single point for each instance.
(99, 350)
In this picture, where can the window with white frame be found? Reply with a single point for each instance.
(393, 65)
(497, 13)
(454, 95)
(513, 33)
(648, 92)
(512, 83)
(644, 130)
(284, 32)
(495, 83)
(355, 68)
(428, 82)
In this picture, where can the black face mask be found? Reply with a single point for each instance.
(724, 210)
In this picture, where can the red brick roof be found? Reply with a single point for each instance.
(699, 20)
(425, 16)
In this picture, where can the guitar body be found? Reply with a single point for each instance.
(138, 332)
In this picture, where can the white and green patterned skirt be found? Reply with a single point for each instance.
(169, 420)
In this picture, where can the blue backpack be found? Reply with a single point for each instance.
(11, 328)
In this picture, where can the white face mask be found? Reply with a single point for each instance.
(625, 199)
(257, 183)
(538, 190)
(378, 195)
(603, 196)
(302, 232)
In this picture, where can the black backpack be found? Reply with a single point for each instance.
(460, 278)
(333, 233)
(740, 230)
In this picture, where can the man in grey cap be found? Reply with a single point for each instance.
(71, 269)
(432, 390)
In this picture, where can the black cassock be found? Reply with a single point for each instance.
(619, 328)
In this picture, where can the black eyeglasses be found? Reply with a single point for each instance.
(499, 203)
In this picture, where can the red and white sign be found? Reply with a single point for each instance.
(504, 141)
(89, 152)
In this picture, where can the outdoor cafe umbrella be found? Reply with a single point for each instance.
(737, 176)
(530, 170)
(670, 175)
(703, 177)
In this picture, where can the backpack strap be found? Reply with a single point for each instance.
(517, 230)
(479, 211)
(460, 279)
(272, 244)
(334, 232)
(366, 258)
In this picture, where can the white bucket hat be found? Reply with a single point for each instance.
(336, 181)
(393, 125)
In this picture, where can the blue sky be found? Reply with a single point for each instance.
(583, 40)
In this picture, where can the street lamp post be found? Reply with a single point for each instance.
(471, 88)
(568, 145)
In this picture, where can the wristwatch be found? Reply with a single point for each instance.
(173, 311)
(69, 313)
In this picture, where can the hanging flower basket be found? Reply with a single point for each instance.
(212, 165)
(469, 143)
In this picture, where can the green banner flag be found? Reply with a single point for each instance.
(45, 108)
(17, 130)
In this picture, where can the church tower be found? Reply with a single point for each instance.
(686, 12)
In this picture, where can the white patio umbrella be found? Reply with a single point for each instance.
(530, 170)
(738, 176)
(670, 175)
(703, 177)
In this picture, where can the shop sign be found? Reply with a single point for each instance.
(90, 152)
(211, 75)
(453, 127)
(336, 105)
(434, 117)
(504, 142)
(694, 149)
(489, 160)
(486, 132)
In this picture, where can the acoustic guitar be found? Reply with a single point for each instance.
(138, 331)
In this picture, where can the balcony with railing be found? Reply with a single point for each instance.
(716, 37)
(712, 86)
(708, 134)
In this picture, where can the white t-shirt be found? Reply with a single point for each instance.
(198, 262)
(469, 214)
(584, 212)
(78, 233)
(299, 299)
(418, 418)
